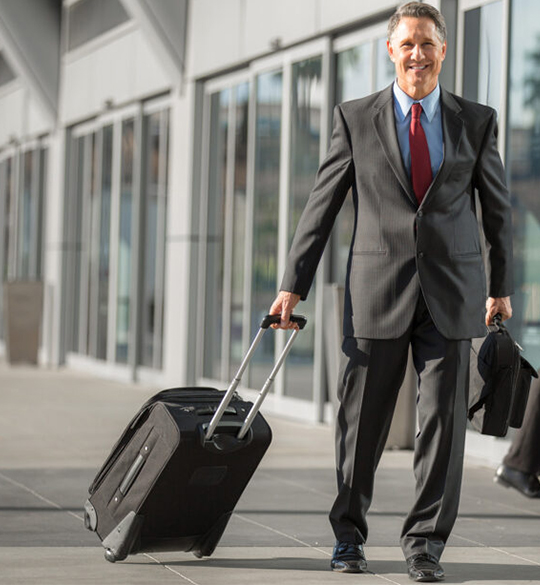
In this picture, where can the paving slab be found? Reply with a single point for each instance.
(57, 427)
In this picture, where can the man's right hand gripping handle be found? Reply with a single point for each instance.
(284, 305)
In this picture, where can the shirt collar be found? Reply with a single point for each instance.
(404, 102)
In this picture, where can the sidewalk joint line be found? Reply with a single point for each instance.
(39, 496)
(510, 507)
(499, 550)
(295, 484)
(293, 538)
(165, 566)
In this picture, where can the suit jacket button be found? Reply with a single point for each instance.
(420, 213)
(420, 254)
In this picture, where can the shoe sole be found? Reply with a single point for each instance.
(348, 569)
(505, 483)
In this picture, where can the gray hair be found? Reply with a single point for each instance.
(417, 10)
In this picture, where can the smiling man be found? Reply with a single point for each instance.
(415, 155)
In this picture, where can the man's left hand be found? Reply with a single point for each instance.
(496, 305)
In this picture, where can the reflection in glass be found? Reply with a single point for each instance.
(239, 227)
(307, 98)
(213, 314)
(125, 242)
(482, 74)
(5, 202)
(25, 214)
(523, 162)
(265, 214)
(154, 210)
(104, 243)
(75, 204)
(385, 72)
(354, 73)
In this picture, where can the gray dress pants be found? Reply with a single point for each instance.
(370, 377)
(524, 453)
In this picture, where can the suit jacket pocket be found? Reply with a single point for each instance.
(368, 252)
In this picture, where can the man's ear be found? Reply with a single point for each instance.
(390, 50)
(444, 51)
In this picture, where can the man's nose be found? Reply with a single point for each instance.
(417, 52)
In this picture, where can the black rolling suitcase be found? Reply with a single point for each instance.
(173, 479)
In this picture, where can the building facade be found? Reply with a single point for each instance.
(155, 156)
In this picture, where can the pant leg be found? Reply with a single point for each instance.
(524, 453)
(443, 368)
(370, 377)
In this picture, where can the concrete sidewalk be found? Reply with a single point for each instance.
(57, 426)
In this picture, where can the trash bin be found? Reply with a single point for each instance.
(23, 311)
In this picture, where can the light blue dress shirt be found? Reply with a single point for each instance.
(430, 119)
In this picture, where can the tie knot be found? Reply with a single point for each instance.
(416, 110)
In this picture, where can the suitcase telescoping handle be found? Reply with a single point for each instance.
(265, 324)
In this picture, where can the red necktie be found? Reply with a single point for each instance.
(420, 162)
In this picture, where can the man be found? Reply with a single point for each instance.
(521, 466)
(415, 277)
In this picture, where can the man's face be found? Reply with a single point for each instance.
(417, 52)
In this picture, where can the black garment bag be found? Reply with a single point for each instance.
(500, 379)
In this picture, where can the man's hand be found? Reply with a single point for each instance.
(498, 305)
(284, 305)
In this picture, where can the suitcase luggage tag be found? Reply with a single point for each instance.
(265, 324)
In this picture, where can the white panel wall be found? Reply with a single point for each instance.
(122, 69)
(11, 112)
(215, 35)
(238, 31)
(336, 13)
(38, 121)
(286, 19)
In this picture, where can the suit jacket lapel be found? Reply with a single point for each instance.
(452, 124)
(385, 127)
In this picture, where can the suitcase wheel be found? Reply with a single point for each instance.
(110, 556)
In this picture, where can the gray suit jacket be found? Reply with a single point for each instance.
(399, 249)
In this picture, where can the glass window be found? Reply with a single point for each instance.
(307, 101)
(74, 235)
(154, 213)
(213, 313)
(104, 230)
(523, 164)
(354, 73)
(482, 54)
(265, 215)
(385, 71)
(124, 261)
(5, 205)
(239, 228)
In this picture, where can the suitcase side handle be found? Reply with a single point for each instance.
(266, 322)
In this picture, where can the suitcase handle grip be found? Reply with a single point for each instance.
(300, 320)
(267, 321)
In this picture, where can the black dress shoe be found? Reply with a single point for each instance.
(424, 568)
(525, 483)
(348, 557)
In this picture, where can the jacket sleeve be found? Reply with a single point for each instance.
(333, 180)
(490, 183)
